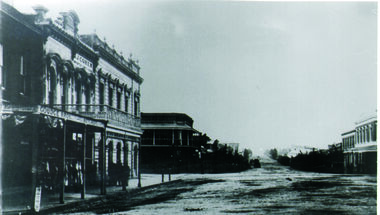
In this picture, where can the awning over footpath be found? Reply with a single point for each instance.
(55, 115)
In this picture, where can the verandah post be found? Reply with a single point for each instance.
(102, 163)
(83, 193)
(63, 163)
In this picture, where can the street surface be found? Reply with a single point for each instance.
(273, 189)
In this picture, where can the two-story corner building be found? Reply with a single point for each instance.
(360, 147)
(70, 107)
(167, 143)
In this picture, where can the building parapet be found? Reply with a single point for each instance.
(366, 120)
(129, 67)
(348, 133)
(65, 29)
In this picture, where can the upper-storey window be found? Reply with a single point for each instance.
(352, 141)
(136, 106)
(368, 137)
(374, 131)
(126, 101)
(2, 73)
(118, 98)
(110, 96)
(101, 94)
(22, 76)
(52, 84)
(88, 95)
(363, 135)
(357, 136)
(78, 86)
(65, 86)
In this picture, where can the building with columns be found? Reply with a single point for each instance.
(360, 146)
(70, 107)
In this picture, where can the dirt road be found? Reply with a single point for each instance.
(273, 189)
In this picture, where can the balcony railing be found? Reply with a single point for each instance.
(103, 112)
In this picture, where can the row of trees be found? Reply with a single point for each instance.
(224, 158)
(328, 161)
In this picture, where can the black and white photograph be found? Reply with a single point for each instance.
(188, 107)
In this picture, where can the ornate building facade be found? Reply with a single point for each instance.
(70, 107)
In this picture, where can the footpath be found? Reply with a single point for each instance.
(122, 201)
(73, 201)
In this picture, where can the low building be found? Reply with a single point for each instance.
(360, 147)
(167, 143)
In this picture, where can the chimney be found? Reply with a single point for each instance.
(40, 13)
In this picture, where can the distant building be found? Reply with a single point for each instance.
(167, 142)
(360, 147)
(70, 107)
(294, 151)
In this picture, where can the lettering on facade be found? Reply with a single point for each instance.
(64, 115)
(82, 62)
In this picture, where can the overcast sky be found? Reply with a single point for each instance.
(262, 74)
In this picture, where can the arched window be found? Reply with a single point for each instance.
(110, 95)
(23, 74)
(118, 99)
(88, 97)
(52, 84)
(126, 100)
(136, 105)
(65, 86)
(101, 93)
(78, 89)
